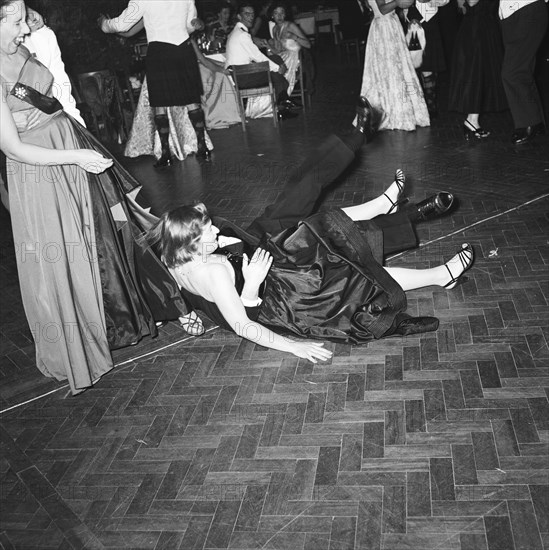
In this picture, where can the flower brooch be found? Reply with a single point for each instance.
(20, 91)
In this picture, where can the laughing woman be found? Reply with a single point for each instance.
(87, 284)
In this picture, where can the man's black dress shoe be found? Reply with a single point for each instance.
(523, 135)
(434, 206)
(285, 114)
(289, 104)
(364, 116)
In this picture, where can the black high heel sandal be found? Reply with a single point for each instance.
(465, 256)
(399, 180)
(469, 131)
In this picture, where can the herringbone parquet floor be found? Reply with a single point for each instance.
(432, 442)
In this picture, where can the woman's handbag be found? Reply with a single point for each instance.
(415, 39)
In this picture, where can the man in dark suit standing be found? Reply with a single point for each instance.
(354, 17)
(523, 26)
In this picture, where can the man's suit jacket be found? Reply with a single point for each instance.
(352, 20)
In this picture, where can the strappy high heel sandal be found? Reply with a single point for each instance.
(465, 256)
(192, 324)
(399, 180)
(470, 130)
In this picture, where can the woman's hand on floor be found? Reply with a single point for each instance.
(312, 351)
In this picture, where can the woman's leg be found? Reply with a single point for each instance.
(380, 205)
(445, 275)
(196, 116)
(162, 124)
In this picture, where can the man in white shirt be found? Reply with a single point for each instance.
(173, 75)
(241, 50)
(523, 26)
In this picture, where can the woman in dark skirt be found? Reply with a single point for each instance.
(476, 86)
(173, 76)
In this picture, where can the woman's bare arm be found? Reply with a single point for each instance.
(386, 8)
(15, 149)
(299, 36)
(220, 284)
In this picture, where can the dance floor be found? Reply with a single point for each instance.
(435, 441)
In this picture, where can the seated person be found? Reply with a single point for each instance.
(312, 275)
(218, 31)
(241, 50)
(287, 41)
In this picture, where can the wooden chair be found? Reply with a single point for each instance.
(102, 93)
(349, 46)
(320, 24)
(140, 49)
(239, 73)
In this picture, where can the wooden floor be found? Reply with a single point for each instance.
(432, 442)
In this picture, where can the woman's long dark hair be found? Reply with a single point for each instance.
(178, 233)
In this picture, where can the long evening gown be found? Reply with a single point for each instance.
(390, 81)
(88, 283)
(288, 49)
(476, 85)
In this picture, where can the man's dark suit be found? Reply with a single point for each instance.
(353, 20)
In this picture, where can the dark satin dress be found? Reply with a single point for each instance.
(476, 85)
(326, 281)
(88, 282)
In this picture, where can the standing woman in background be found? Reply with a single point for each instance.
(390, 82)
(287, 41)
(475, 85)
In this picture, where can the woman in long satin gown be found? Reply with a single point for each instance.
(89, 283)
(390, 81)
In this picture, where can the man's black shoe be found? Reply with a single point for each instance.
(523, 135)
(289, 104)
(285, 114)
(434, 206)
(367, 118)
